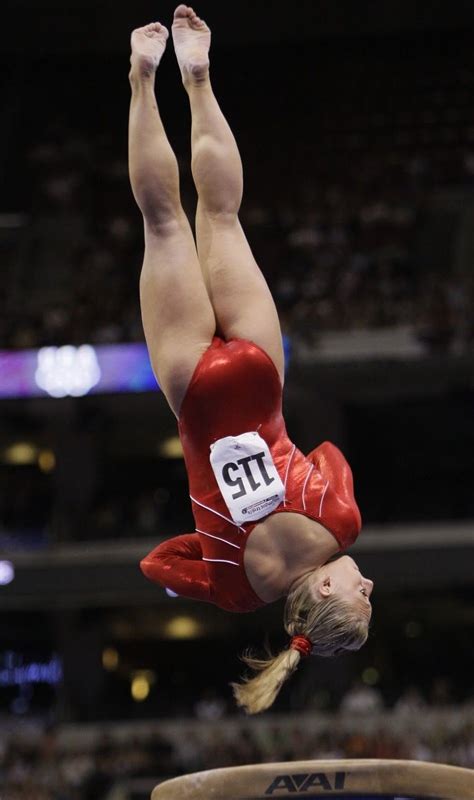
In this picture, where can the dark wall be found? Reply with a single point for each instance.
(86, 26)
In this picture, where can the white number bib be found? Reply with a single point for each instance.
(246, 476)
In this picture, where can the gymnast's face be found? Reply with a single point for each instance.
(343, 578)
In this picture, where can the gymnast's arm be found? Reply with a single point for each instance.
(330, 462)
(177, 564)
(342, 514)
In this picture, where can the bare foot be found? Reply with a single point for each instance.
(192, 39)
(148, 45)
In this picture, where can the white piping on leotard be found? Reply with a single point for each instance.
(218, 513)
(218, 537)
(304, 487)
(222, 561)
(287, 470)
(322, 499)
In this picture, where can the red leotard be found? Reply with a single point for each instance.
(236, 388)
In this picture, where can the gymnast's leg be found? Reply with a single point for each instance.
(240, 296)
(178, 318)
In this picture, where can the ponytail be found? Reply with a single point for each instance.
(258, 693)
(332, 625)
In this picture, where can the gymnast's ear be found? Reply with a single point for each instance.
(325, 588)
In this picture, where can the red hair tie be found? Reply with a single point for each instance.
(302, 644)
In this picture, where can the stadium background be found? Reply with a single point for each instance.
(356, 127)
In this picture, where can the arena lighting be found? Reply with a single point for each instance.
(140, 689)
(7, 573)
(20, 453)
(67, 371)
(122, 368)
(110, 659)
(183, 627)
(141, 684)
(46, 461)
(171, 448)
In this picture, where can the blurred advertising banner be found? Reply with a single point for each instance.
(75, 371)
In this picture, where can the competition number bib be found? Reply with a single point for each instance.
(246, 476)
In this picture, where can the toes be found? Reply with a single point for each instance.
(197, 21)
(155, 30)
(187, 13)
(182, 11)
(155, 27)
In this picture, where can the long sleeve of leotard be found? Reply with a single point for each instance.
(330, 462)
(177, 564)
(339, 501)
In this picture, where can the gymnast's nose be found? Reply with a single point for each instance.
(369, 585)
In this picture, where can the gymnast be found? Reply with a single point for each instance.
(269, 520)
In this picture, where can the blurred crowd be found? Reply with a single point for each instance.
(345, 227)
(45, 768)
(37, 508)
(337, 257)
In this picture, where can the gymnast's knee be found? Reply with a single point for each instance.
(163, 223)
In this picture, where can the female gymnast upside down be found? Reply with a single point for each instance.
(268, 518)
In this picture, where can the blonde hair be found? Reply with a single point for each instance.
(331, 624)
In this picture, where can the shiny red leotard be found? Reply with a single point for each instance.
(236, 388)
